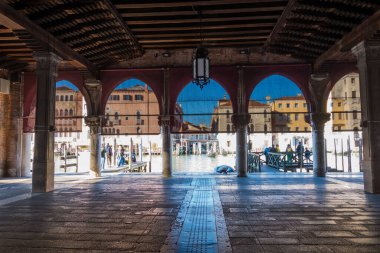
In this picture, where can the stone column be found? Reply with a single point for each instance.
(43, 162)
(166, 152)
(26, 153)
(368, 59)
(318, 121)
(94, 123)
(241, 122)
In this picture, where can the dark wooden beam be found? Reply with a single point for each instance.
(216, 39)
(205, 27)
(120, 20)
(280, 22)
(196, 20)
(263, 32)
(12, 19)
(192, 3)
(142, 14)
(361, 32)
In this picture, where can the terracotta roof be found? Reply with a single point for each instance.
(290, 98)
(65, 88)
(190, 127)
(137, 87)
(224, 102)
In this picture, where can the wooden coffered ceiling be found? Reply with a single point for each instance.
(96, 34)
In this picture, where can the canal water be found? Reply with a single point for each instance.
(205, 164)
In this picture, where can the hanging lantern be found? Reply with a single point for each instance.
(201, 75)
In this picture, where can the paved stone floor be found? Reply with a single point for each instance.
(265, 212)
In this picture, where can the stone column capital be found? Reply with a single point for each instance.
(92, 83)
(240, 120)
(46, 58)
(319, 89)
(367, 51)
(319, 119)
(165, 120)
(94, 120)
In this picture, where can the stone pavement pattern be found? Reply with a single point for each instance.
(146, 213)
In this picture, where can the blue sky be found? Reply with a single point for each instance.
(67, 84)
(194, 100)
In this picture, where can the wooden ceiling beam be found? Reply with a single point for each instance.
(280, 22)
(176, 40)
(195, 20)
(259, 31)
(194, 45)
(261, 10)
(12, 19)
(173, 4)
(361, 32)
(204, 28)
(121, 22)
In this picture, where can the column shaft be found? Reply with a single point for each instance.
(241, 151)
(43, 162)
(318, 121)
(368, 58)
(95, 156)
(94, 124)
(166, 150)
(240, 122)
(26, 153)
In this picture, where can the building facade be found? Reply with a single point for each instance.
(260, 117)
(345, 104)
(132, 110)
(68, 110)
(289, 114)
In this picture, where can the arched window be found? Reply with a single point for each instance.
(66, 112)
(71, 112)
(66, 98)
(71, 98)
(265, 114)
(117, 131)
(57, 97)
(116, 115)
(113, 130)
(61, 112)
(228, 114)
(265, 128)
(228, 128)
(138, 115)
(62, 98)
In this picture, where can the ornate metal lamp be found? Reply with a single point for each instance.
(201, 75)
(201, 64)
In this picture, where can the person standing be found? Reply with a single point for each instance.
(109, 154)
(103, 157)
(289, 154)
(299, 151)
